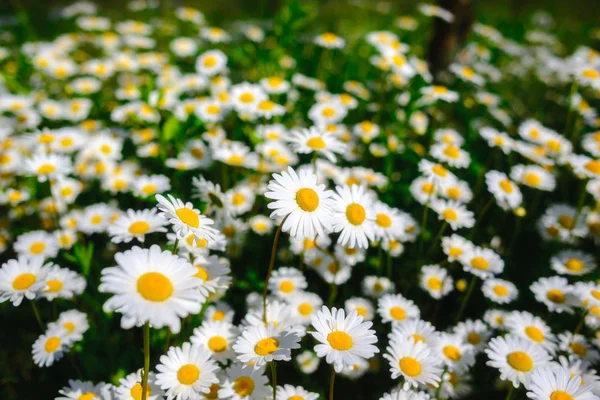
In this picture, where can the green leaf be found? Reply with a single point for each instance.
(170, 129)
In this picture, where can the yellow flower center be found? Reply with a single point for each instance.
(434, 283)
(455, 251)
(578, 349)
(218, 316)
(201, 273)
(46, 169)
(37, 247)
(154, 286)
(286, 286)
(355, 213)
(520, 361)
(452, 151)
(452, 352)
(453, 192)
(247, 97)
(362, 311)
(305, 309)
(340, 341)
(54, 285)
(439, 170)
(295, 397)
(266, 346)
(573, 264)
(24, 281)
(87, 396)
(500, 290)
(188, 374)
(217, 344)
(590, 73)
(69, 326)
(397, 313)
(52, 344)
(307, 199)
(593, 166)
(534, 334)
(595, 294)
(440, 89)
(188, 217)
(566, 222)
(96, 219)
(209, 61)
(136, 391)
(556, 296)
(450, 215)
(410, 366)
(139, 228)
(238, 199)
(473, 338)
(560, 395)
(506, 186)
(214, 391)
(427, 188)
(480, 263)
(383, 220)
(328, 112)
(243, 386)
(316, 143)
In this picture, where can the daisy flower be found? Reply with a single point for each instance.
(474, 332)
(329, 41)
(353, 216)
(62, 282)
(308, 362)
(78, 389)
(363, 307)
(287, 392)
(136, 225)
(415, 329)
(245, 383)
(497, 139)
(561, 222)
(130, 387)
(261, 225)
(315, 140)
(186, 219)
(451, 155)
(287, 282)
(507, 194)
(260, 344)
(455, 354)
(213, 272)
(388, 222)
(533, 176)
(395, 308)
(151, 285)
(553, 382)
(36, 244)
(453, 213)
(414, 361)
(342, 339)
(306, 206)
(516, 358)
(435, 173)
(578, 346)
(48, 166)
(482, 262)
(377, 286)
(73, 322)
(22, 277)
(436, 281)
(572, 262)
(303, 306)
(454, 246)
(218, 337)
(499, 290)
(186, 371)
(49, 347)
(532, 328)
(555, 293)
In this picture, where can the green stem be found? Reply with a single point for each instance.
(271, 264)
(146, 360)
(175, 246)
(333, 289)
(479, 218)
(274, 378)
(331, 383)
(436, 240)
(389, 266)
(439, 388)
(510, 392)
(465, 300)
(37, 315)
(581, 321)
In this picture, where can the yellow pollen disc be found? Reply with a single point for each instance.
(96, 219)
(274, 81)
(468, 72)
(238, 199)
(410, 366)
(307, 199)
(46, 169)
(417, 338)
(566, 222)
(556, 296)
(452, 151)
(434, 283)
(188, 217)
(286, 286)
(305, 309)
(202, 274)
(218, 316)
(453, 192)
(362, 311)
(188, 374)
(266, 105)
(340, 341)
(593, 166)
(506, 186)
(355, 213)
(154, 286)
(247, 97)
(452, 352)
(46, 138)
(480, 263)
(560, 395)
(54, 285)
(139, 228)
(573, 264)
(427, 188)
(52, 344)
(209, 61)
(37, 247)
(440, 89)
(328, 112)
(243, 386)
(455, 251)
(136, 391)
(500, 290)
(296, 397)
(532, 179)
(383, 220)
(316, 143)
(578, 349)
(214, 391)
(213, 109)
(553, 145)
(473, 338)
(450, 215)
(591, 73)
(87, 396)
(333, 267)
(235, 159)
(397, 313)
(595, 294)
(534, 334)
(439, 170)
(520, 361)
(217, 344)
(328, 37)
(106, 149)
(352, 181)
(69, 326)
(24, 281)
(266, 346)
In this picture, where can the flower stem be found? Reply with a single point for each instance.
(331, 383)
(37, 315)
(465, 301)
(146, 360)
(274, 378)
(510, 392)
(436, 240)
(581, 321)
(439, 388)
(175, 246)
(271, 264)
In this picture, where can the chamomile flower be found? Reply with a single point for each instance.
(62, 282)
(303, 306)
(260, 344)
(451, 155)
(77, 389)
(578, 346)
(136, 225)
(507, 194)
(499, 290)
(342, 339)
(415, 329)
(481, 262)
(474, 332)
(287, 392)
(36, 244)
(453, 213)
(456, 354)
(533, 176)
(554, 382)
(377, 286)
(130, 387)
(455, 246)
(572, 262)
(395, 308)
(213, 272)
(150, 285)
(307, 361)
(532, 328)
(315, 140)
(414, 361)
(435, 173)
(516, 358)
(261, 225)
(48, 166)
(245, 383)
(354, 216)
(49, 347)
(287, 282)
(306, 205)
(363, 307)
(187, 371)
(73, 322)
(186, 219)
(555, 293)
(22, 278)
(436, 281)
(329, 40)
(218, 337)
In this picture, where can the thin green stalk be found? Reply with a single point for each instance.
(271, 264)
(436, 240)
(331, 383)
(333, 290)
(146, 360)
(389, 266)
(274, 378)
(439, 388)
(465, 300)
(175, 246)
(581, 321)
(37, 315)
(510, 392)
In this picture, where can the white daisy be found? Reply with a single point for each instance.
(258, 345)
(186, 219)
(22, 277)
(136, 224)
(414, 361)
(218, 337)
